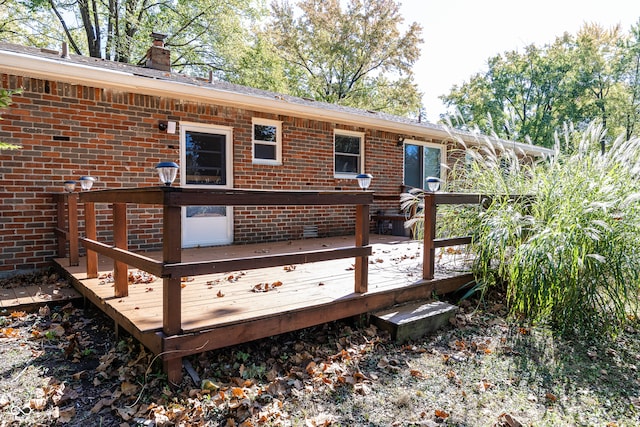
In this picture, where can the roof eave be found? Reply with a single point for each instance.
(57, 69)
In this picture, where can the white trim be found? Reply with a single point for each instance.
(278, 144)
(60, 69)
(342, 175)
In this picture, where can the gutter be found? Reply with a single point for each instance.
(60, 69)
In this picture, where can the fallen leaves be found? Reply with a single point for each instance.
(133, 278)
(441, 414)
(9, 333)
(266, 287)
(417, 374)
(18, 314)
(506, 420)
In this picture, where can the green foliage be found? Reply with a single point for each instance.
(577, 79)
(5, 101)
(353, 55)
(202, 35)
(569, 255)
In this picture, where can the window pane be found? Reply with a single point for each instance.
(431, 162)
(205, 159)
(347, 164)
(264, 133)
(206, 211)
(347, 144)
(267, 152)
(413, 166)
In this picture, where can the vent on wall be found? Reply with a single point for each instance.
(309, 231)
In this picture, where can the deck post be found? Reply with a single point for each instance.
(91, 233)
(429, 250)
(171, 286)
(67, 226)
(72, 206)
(60, 223)
(120, 269)
(362, 239)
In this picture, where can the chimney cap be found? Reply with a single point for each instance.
(158, 36)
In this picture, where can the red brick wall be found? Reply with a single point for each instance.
(68, 130)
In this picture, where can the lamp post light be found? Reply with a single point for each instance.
(433, 183)
(86, 182)
(167, 172)
(69, 186)
(364, 180)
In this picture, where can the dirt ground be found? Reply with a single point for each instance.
(62, 365)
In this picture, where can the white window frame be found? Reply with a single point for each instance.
(443, 159)
(348, 175)
(278, 143)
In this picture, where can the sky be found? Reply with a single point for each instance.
(461, 35)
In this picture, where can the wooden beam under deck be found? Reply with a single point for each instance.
(356, 304)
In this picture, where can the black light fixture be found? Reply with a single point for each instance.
(167, 126)
(167, 172)
(400, 141)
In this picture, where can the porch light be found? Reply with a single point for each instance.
(167, 172)
(364, 180)
(69, 186)
(433, 183)
(86, 182)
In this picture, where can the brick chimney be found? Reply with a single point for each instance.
(158, 56)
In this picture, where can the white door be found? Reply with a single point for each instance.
(206, 162)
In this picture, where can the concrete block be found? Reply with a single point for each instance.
(413, 320)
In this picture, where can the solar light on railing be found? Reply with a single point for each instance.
(69, 186)
(433, 184)
(86, 182)
(364, 180)
(167, 172)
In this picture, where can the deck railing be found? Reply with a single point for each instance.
(431, 200)
(173, 198)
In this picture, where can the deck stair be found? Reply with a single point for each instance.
(413, 320)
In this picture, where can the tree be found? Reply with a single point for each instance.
(5, 101)
(203, 34)
(530, 95)
(355, 56)
(17, 25)
(517, 97)
(631, 78)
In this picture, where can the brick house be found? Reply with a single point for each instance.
(85, 116)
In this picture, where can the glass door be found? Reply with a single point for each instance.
(206, 162)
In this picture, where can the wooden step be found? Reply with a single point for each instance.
(414, 320)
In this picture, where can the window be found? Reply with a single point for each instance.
(348, 149)
(422, 160)
(267, 141)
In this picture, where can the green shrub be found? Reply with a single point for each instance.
(568, 256)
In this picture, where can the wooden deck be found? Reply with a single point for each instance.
(199, 303)
(224, 309)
